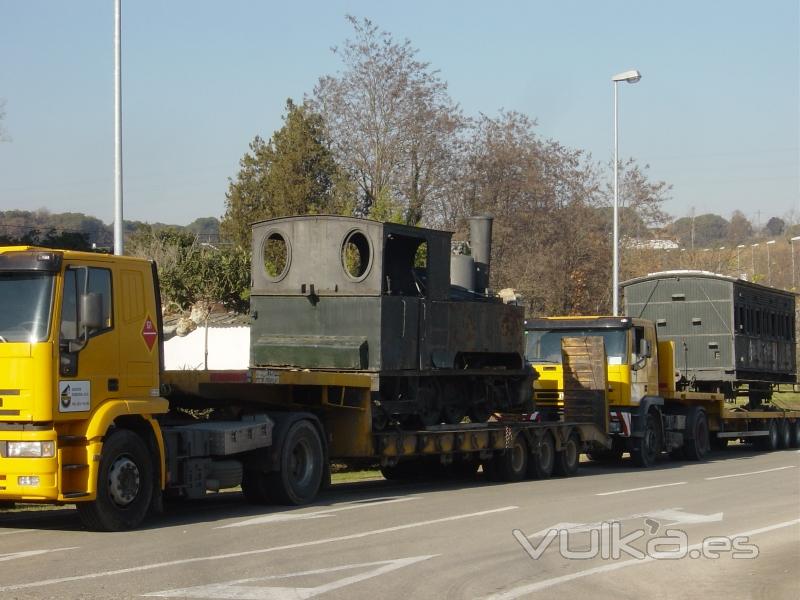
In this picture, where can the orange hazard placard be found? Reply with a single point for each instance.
(149, 333)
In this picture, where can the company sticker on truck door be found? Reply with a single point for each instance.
(74, 396)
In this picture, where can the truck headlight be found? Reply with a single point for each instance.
(31, 449)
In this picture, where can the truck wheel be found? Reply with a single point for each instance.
(300, 474)
(511, 465)
(769, 442)
(542, 463)
(697, 448)
(794, 434)
(646, 449)
(568, 457)
(784, 435)
(124, 485)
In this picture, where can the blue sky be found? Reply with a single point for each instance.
(715, 114)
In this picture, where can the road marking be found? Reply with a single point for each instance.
(16, 531)
(185, 561)
(673, 515)
(29, 553)
(530, 588)
(647, 487)
(750, 473)
(234, 590)
(319, 514)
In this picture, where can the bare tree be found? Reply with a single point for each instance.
(391, 121)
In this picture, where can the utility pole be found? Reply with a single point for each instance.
(118, 249)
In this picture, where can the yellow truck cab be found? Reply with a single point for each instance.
(640, 420)
(78, 357)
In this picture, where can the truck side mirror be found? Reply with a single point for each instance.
(92, 311)
(645, 351)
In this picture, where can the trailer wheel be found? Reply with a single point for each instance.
(568, 457)
(647, 448)
(124, 485)
(511, 465)
(542, 463)
(301, 468)
(784, 435)
(769, 442)
(697, 448)
(794, 434)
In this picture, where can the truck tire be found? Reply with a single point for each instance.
(511, 465)
(784, 435)
(568, 457)
(124, 484)
(301, 468)
(542, 463)
(794, 434)
(769, 442)
(697, 446)
(646, 449)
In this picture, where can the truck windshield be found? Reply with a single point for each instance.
(545, 345)
(25, 301)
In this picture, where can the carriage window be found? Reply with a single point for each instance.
(356, 255)
(276, 256)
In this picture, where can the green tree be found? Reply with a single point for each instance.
(293, 173)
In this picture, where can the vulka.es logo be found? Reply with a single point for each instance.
(608, 542)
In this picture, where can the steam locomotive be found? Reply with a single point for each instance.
(334, 293)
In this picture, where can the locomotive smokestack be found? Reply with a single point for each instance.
(480, 241)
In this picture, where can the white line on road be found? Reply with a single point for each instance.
(639, 489)
(530, 588)
(234, 590)
(750, 473)
(16, 531)
(318, 514)
(29, 553)
(172, 563)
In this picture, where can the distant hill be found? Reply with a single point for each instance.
(80, 231)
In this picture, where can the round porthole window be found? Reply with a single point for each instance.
(276, 254)
(356, 255)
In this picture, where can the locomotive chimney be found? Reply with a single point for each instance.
(480, 241)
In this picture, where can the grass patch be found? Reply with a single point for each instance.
(350, 476)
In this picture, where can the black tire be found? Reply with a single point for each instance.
(794, 434)
(769, 442)
(511, 465)
(784, 435)
(568, 457)
(697, 446)
(646, 449)
(124, 484)
(301, 466)
(542, 462)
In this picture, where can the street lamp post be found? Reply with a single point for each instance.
(630, 77)
(791, 244)
(753, 257)
(719, 262)
(769, 265)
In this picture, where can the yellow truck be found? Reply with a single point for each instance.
(89, 416)
(651, 407)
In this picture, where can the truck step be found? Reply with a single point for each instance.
(71, 440)
(74, 466)
(76, 494)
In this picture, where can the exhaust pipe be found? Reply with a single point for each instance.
(480, 241)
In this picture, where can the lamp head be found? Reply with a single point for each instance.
(630, 76)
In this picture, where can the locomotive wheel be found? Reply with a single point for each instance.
(430, 407)
(453, 413)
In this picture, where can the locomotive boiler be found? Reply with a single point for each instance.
(334, 293)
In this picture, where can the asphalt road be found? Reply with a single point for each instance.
(726, 528)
